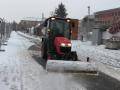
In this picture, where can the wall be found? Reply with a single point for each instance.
(96, 36)
(87, 25)
(107, 17)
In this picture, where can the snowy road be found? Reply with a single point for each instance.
(19, 71)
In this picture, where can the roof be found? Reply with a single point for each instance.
(109, 10)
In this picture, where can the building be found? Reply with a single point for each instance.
(28, 23)
(25, 25)
(93, 27)
(107, 17)
(86, 26)
(105, 20)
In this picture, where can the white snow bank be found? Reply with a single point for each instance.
(36, 40)
(97, 53)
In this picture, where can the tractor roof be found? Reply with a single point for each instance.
(59, 18)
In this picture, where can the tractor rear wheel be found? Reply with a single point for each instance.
(44, 50)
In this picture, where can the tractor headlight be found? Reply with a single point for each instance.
(53, 18)
(68, 20)
(69, 45)
(63, 44)
(48, 30)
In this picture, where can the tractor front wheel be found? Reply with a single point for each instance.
(74, 56)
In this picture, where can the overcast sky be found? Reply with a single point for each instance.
(19, 9)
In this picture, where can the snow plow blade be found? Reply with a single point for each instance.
(71, 66)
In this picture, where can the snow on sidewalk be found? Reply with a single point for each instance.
(97, 53)
(16, 72)
(10, 72)
(34, 39)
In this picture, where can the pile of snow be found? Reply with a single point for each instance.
(97, 53)
(34, 39)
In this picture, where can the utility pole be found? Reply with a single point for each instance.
(88, 10)
(43, 17)
(88, 27)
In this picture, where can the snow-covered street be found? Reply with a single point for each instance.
(19, 71)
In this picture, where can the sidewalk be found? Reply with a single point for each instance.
(18, 70)
(10, 72)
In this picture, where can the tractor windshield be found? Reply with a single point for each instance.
(60, 27)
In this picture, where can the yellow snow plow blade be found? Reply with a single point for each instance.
(71, 66)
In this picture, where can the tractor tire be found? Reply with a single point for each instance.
(44, 50)
(74, 56)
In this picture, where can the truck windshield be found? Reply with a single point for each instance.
(60, 27)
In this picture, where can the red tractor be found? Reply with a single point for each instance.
(56, 46)
(56, 43)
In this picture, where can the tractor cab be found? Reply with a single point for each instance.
(57, 41)
(59, 27)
